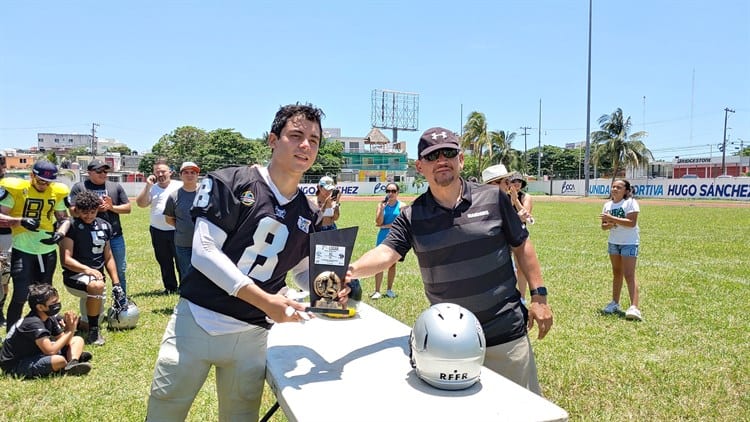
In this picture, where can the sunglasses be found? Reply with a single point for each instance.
(41, 181)
(391, 191)
(447, 153)
(100, 171)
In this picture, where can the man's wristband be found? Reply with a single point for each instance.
(541, 291)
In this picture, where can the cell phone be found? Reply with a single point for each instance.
(335, 194)
(386, 198)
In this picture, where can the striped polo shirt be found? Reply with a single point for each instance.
(464, 255)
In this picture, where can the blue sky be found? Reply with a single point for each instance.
(143, 68)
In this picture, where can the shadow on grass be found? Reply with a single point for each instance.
(152, 293)
(163, 311)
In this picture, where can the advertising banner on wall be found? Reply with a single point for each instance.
(719, 188)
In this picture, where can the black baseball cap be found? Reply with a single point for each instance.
(437, 138)
(98, 164)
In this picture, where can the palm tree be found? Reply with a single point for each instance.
(615, 143)
(500, 148)
(475, 138)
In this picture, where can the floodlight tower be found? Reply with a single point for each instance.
(394, 110)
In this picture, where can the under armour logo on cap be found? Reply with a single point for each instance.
(441, 134)
(437, 138)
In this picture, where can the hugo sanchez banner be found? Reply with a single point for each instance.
(732, 189)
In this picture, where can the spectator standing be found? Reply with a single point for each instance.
(158, 188)
(387, 211)
(29, 207)
(42, 343)
(328, 203)
(6, 242)
(114, 203)
(462, 234)
(620, 217)
(498, 175)
(177, 214)
(85, 254)
(252, 226)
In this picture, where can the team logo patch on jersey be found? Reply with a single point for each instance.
(304, 224)
(247, 198)
(280, 212)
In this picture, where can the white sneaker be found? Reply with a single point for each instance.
(376, 295)
(633, 313)
(390, 294)
(611, 308)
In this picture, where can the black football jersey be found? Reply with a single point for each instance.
(264, 239)
(89, 241)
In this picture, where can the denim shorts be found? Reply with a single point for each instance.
(623, 250)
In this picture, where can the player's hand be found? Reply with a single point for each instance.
(277, 306)
(53, 239)
(31, 224)
(106, 204)
(94, 274)
(71, 321)
(540, 312)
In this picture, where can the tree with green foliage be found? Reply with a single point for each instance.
(476, 141)
(329, 161)
(615, 142)
(501, 151)
(122, 149)
(76, 152)
(227, 147)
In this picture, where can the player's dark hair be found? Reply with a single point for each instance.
(87, 201)
(39, 294)
(628, 189)
(286, 112)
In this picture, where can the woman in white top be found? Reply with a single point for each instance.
(620, 217)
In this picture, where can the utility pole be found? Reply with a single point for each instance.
(525, 128)
(93, 139)
(588, 116)
(727, 110)
(539, 151)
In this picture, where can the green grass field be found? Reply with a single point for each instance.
(688, 360)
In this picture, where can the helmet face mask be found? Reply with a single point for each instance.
(447, 347)
(126, 317)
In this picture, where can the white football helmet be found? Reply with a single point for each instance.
(123, 317)
(447, 347)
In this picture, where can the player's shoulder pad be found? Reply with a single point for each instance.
(60, 190)
(15, 183)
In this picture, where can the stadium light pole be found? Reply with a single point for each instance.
(588, 117)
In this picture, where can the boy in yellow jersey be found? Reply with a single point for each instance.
(31, 208)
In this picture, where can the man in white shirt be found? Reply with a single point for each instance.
(158, 188)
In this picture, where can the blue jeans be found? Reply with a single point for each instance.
(117, 244)
(183, 254)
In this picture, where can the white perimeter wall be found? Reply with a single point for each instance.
(734, 189)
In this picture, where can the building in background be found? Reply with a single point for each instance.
(63, 142)
(372, 158)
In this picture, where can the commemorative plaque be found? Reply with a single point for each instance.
(330, 253)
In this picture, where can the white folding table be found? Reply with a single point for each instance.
(358, 369)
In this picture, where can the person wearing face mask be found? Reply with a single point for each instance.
(155, 194)
(43, 343)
